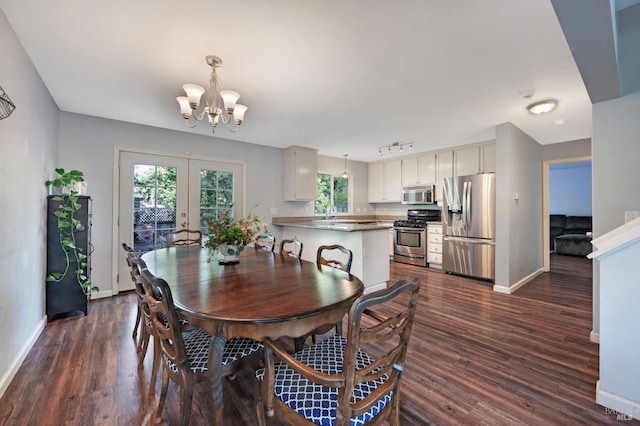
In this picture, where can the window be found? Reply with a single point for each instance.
(332, 192)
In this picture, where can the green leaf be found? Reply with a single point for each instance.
(54, 276)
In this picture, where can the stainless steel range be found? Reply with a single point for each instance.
(410, 236)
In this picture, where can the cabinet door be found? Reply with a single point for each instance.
(376, 182)
(488, 154)
(467, 161)
(427, 168)
(410, 171)
(301, 174)
(444, 166)
(393, 180)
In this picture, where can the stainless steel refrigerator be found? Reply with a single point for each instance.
(469, 215)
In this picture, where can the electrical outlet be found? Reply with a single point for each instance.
(274, 210)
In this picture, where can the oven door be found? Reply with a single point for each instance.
(410, 245)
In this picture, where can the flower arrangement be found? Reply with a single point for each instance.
(227, 231)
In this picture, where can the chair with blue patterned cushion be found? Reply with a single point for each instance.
(341, 381)
(186, 353)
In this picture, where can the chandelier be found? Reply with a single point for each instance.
(221, 104)
(389, 148)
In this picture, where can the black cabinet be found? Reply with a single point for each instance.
(66, 296)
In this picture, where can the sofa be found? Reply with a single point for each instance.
(570, 235)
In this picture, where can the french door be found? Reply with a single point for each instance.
(159, 194)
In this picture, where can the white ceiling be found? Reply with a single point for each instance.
(341, 76)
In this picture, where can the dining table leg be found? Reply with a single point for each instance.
(216, 351)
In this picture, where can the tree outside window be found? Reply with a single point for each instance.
(332, 191)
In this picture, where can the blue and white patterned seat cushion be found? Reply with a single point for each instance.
(318, 403)
(197, 342)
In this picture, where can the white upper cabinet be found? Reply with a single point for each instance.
(419, 170)
(300, 173)
(474, 160)
(466, 161)
(444, 167)
(385, 182)
(488, 158)
(409, 171)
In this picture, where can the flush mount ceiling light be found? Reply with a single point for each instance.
(389, 148)
(221, 104)
(345, 174)
(542, 107)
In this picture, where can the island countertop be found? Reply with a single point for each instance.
(337, 224)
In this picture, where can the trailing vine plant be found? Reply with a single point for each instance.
(76, 261)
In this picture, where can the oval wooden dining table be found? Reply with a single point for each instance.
(264, 295)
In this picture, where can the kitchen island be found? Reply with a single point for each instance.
(367, 239)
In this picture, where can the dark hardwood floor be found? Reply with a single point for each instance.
(476, 357)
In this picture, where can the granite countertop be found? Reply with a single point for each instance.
(351, 224)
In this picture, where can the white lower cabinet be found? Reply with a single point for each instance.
(434, 245)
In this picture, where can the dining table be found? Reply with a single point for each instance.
(264, 294)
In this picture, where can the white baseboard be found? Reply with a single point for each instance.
(8, 375)
(594, 337)
(375, 287)
(619, 407)
(101, 294)
(512, 288)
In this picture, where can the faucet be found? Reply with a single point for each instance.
(329, 214)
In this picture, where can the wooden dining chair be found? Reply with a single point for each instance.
(146, 332)
(338, 257)
(184, 237)
(344, 255)
(342, 381)
(291, 247)
(265, 242)
(186, 353)
(138, 328)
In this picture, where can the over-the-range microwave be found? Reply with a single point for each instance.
(418, 194)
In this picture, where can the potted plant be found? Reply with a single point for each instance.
(230, 236)
(66, 188)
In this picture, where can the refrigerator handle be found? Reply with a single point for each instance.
(467, 205)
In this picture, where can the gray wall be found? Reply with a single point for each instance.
(518, 222)
(28, 147)
(616, 177)
(567, 150)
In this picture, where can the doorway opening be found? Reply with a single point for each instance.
(567, 189)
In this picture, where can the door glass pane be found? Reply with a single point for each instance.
(154, 205)
(216, 195)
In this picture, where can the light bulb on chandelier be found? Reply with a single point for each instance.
(220, 104)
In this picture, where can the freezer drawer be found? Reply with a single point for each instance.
(471, 257)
